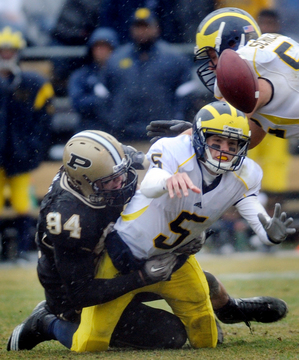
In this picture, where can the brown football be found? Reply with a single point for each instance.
(237, 81)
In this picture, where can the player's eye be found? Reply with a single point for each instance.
(232, 149)
(216, 146)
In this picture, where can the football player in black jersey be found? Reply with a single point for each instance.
(84, 200)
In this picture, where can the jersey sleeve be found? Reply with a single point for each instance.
(251, 175)
(163, 164)
(249, 208)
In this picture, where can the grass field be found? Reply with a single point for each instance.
(244, 275)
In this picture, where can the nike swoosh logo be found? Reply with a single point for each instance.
(153, 269)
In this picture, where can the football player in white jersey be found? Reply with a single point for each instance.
(190, 183)
(275, 59)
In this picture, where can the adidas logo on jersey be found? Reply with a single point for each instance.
(198, 204)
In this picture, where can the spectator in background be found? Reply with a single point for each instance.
(143, 78)
(24, 130)
(88, 95)
(178, 19)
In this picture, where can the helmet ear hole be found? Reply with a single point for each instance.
(232, 43)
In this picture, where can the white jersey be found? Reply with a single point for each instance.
(276, 58)
(155, 225)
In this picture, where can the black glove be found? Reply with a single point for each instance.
(138, 159)
(158, 268)
(194, 245)
(278, 227)
(166, 128)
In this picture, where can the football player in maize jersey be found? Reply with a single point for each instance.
(189, 185)
(73, 219)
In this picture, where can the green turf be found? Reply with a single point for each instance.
(268, 274)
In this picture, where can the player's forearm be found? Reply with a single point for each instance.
(77, 273)
(154, 183)
(248, 208)
(99, 291)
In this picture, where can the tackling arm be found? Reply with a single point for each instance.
(77, 272)
(166, 128)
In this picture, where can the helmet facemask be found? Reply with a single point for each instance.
(207, 70)
(118, 196)
(218, 166)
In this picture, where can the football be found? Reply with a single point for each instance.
(237, 81)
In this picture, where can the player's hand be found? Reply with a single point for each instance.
(166, 128)
(138, 159)
(180, 183)
(278, 227)
(193, 246)
(159, 268)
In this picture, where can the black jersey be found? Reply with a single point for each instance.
(70, 242)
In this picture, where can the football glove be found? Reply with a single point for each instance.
(166, 128)
(194, 245)
(158, 268)
(277, 227)
(138, 159)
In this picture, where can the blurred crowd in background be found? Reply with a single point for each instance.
(133, 63)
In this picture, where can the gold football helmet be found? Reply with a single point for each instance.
(92, 159)
(220, 118)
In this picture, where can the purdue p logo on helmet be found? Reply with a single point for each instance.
(95, 157)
